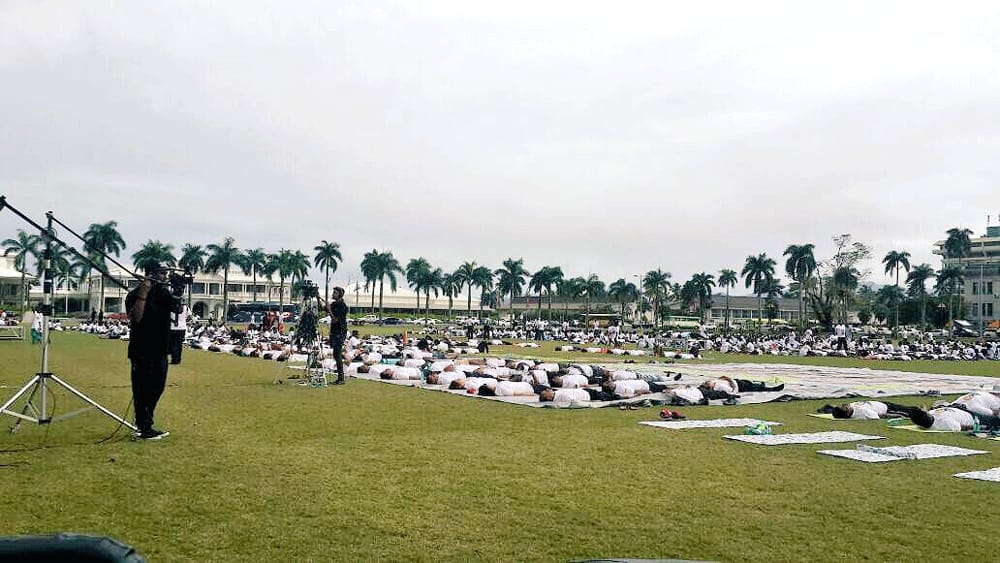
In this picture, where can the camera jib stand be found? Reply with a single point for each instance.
(36, 407)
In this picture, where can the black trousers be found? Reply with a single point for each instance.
(149, 378)
(337, 343)
(176, 344)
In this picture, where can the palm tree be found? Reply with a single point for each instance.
(21, 247)
(553, 277)
(537, 283)
(756, 271)
(895, 260)
(727, 279)
(569, 290)
(463, 275)
(299, 266)
(154, 251)
(102, 239)
(799, 266)
(593, 287)
(256, 261)
(511, 280)
(958, 245)
(845, 281)
(222, 257)
(702, 284)
(386, 266)
(284, 266)
(432, 281)
(268, 269)
(327, 257)
(450, 288)
(948, 280)
(192, 260)
(63, 270)
(916, 282)
(623, 292)
(417, 274)
(482, 277)
(657, 285)
(369, 269)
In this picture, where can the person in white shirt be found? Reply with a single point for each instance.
(564, 396)
(404, 373)
(867, 410)
(726, 386)
(508, 389)
(178, 330)
(961, 414)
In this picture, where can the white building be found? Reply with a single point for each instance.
(981, 289)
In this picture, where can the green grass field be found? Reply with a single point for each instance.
(255, 471)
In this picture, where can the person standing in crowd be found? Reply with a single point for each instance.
(337, 310)
(178, 329)
(149, 308)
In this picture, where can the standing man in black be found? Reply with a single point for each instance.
(337, 310)
(149, 308)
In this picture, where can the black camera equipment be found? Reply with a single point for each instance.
(33, 410)
(309, 290)
(179, 280)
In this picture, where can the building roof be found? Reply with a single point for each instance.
(9, 272)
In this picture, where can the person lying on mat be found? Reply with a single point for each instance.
(563, 395)
(402, 373)
(507, 389)
(570, 381)
(732, 386)
(690, 395)
(952, 419)
(867, 410)
(979, 403)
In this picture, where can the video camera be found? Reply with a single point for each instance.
(178, 280)
(309, 289)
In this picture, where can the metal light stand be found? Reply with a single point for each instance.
(36, 388)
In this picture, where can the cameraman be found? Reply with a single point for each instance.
(337, 310)
(149, 308)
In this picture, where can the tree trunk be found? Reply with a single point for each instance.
(381, 285)
(225, 295)
(727, 310)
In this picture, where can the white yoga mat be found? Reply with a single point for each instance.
(711, 423)
(811, 438)
(985, 475)
(869, 454)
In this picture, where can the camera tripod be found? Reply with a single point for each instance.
(36, 405)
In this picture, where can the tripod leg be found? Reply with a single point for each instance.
(31, 385)
(93, 403)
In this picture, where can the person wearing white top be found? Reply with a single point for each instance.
(564, 396)
(867, 410)
(178, 329)
(508, 389)
(403, 373)
(570, 381)
(725, 387)
(957, 416)
(627, 388)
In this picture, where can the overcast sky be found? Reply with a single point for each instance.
(604, 137)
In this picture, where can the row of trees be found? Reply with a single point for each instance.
(827, 288)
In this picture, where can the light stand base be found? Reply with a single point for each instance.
(34, 414)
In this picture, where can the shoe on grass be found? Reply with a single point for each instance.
(676, 415)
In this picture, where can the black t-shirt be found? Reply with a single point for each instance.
(150, 337)
(338, 317)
